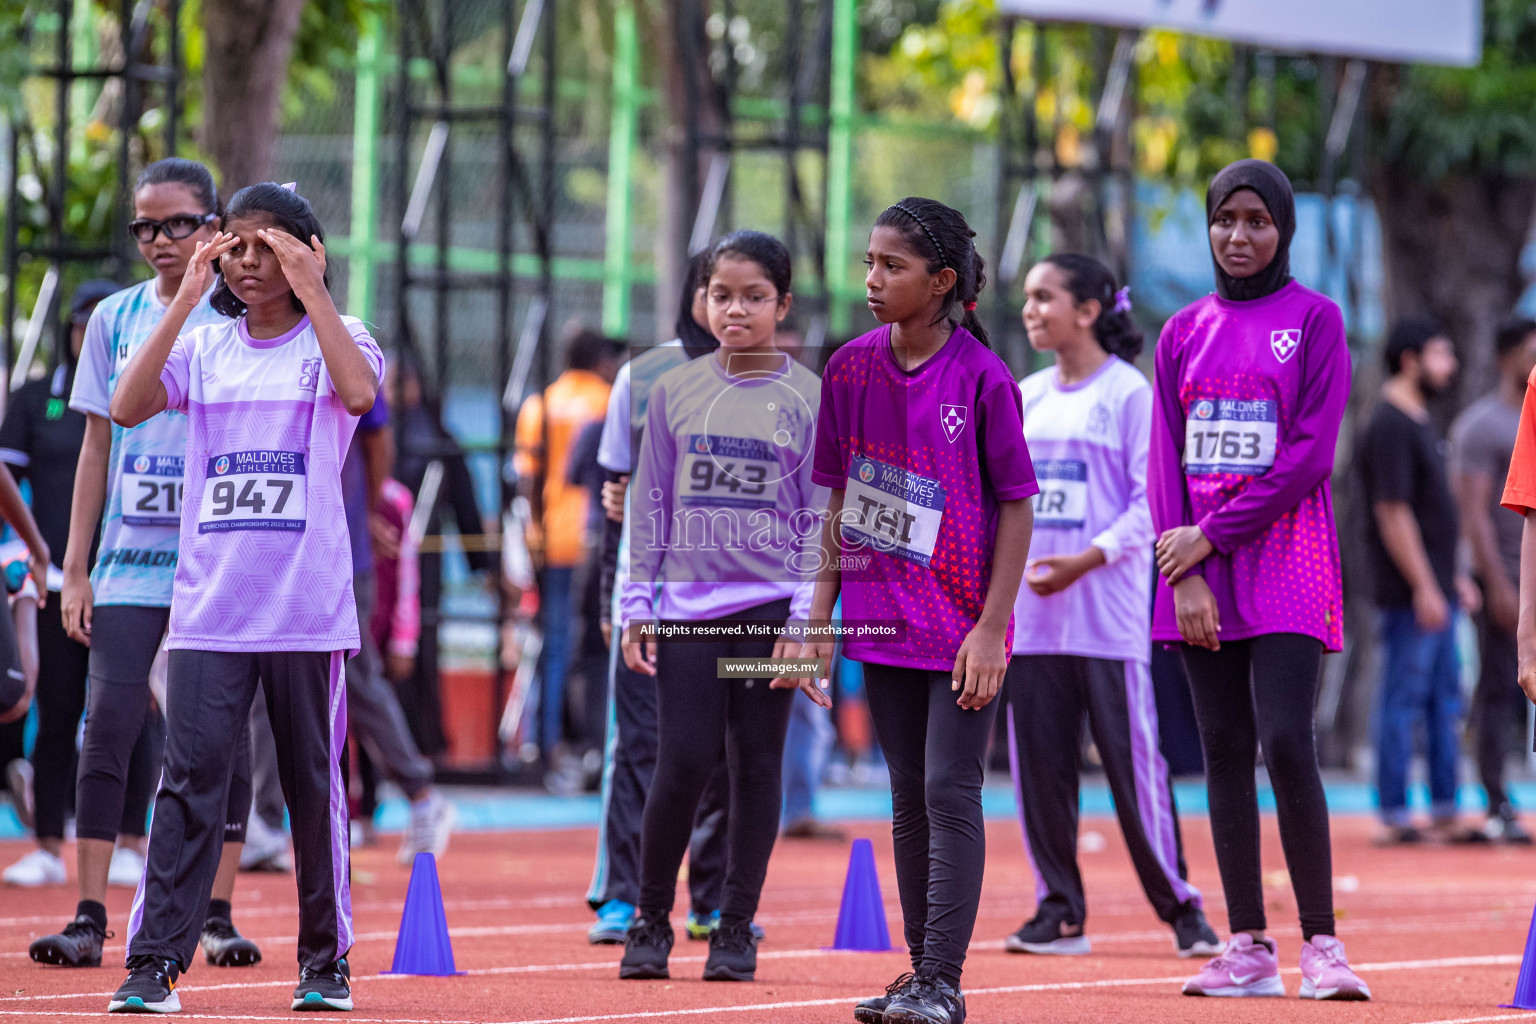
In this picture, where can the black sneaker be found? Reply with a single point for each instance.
(927, 1001)
(328, 988)
(78, 945)
(226, 947)
(150, 988)
(1046, 933)
(872, 1010)
(1194, 936)
(732, 953)
(646, 949)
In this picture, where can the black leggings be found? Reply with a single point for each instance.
(1262, 691)
(698, 716)
(936, 752)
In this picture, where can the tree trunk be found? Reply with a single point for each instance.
(249, 43)
(1452, 251)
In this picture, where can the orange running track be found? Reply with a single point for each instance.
(1436, 932)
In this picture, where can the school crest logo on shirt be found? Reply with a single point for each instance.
(1285, 343)
(309, 374)
(1098, 419)
(952, 419)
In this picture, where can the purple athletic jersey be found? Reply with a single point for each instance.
(1249, 400)
(723, 515)
(266, 564)
(1089, 445)
(923, 458)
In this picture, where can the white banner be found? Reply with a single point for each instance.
(1415, 31)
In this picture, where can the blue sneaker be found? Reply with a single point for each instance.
(699, 929)
(613, 921)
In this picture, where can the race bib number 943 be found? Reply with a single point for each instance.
(151, 489)
(1228, 435)
(257, 490)
(730, 472)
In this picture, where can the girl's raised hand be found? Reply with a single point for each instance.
(202, 266)
(303, 265)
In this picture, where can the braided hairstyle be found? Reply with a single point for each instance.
(940, 235)
(1116, 330)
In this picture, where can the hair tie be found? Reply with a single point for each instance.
(291, 186)
(1123, 300)
(944, 260)
(970, 307)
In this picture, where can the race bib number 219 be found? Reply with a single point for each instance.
(256, 490)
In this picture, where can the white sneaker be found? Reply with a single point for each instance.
(266, 848)
(126, 869)
(428, 830)
(37, 868)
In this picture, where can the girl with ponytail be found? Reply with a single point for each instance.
(1082, 634)
(921, 440)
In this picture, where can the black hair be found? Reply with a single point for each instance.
(289, 211)
(1512, 334)
(1116, 331)
(1410, 335)
(696, 339)
(759, 247)
(178, 171)
(940, 235)
(587, 350)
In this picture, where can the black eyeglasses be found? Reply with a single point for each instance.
(175, 228)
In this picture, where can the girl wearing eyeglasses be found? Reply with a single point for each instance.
(129, 480)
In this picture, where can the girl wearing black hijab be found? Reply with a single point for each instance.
(1251, 385)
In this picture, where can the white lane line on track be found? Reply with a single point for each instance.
(1478, 1020)
(1060, 986)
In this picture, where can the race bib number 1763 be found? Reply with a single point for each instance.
(1230, 435)
(256, 490)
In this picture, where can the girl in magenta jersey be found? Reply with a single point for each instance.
(263, 589)
(1251, 385)
(922, 442)
(723, 519)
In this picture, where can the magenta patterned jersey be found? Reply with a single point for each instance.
(265, 560)
(922, 458)
(1249, 400)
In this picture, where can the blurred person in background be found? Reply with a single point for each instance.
(422, 439)
(557, 535)
(1482, 443)
(1413, 534)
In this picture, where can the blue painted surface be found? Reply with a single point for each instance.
(511, 810)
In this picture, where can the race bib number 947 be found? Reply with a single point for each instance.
(151, 489)
(1228, 435)
(257, 490)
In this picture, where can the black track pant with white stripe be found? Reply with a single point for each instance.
(210, 693)
(1049, 698)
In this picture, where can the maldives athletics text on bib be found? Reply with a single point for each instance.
(253, 490)
(895, 510)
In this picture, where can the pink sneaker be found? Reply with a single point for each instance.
(1325, 974)
(1245, 968)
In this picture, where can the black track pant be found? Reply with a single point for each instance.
(699, 717)
(628, 768)
(120, 753)
(1500, 713)
(1049, 698)
(61, 674)
(936, 752)
(210, 693)
(1252, 693)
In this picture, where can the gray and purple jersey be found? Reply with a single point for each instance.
(266, 563)
(1089, 444)
(723, 514)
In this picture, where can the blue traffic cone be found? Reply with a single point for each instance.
(861, 920)
(423, 946)
(1525, 985)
